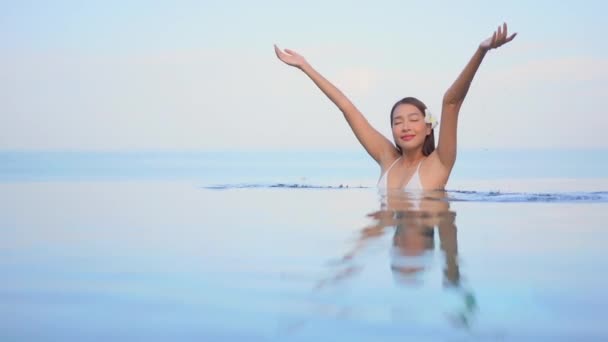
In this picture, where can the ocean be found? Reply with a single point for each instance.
(300, 246)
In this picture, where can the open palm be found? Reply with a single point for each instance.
(290, 57)
(498, 38)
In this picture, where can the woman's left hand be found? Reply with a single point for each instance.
(498, 38)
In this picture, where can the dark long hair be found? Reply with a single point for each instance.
(429, 141)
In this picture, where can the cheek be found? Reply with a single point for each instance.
(420, 125)
(395, 129)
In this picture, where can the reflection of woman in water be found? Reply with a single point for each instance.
(414, 242)
(416, 222)
(413, 247)
(414, 161)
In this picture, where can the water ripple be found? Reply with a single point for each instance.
(453, 195)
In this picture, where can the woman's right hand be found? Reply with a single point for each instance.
(290, 57)
(374, 143)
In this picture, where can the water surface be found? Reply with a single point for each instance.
(108, 255)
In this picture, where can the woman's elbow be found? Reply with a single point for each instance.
(449, 98)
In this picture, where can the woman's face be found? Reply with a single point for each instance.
(409, 128)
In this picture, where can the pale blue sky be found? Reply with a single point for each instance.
(202, 74)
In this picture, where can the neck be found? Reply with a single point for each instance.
(410, 158)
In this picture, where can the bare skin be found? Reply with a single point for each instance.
(409, 128)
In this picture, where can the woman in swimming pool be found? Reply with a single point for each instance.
(414, 162)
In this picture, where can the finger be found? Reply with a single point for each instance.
(291, 52)
(504, 31)
(511, 38)
(277, 51)
(499, 34)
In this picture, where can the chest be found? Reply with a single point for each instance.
(418, 177)
(399, 177)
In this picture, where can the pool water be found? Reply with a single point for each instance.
(87, 257)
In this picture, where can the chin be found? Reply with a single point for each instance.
(410, 146)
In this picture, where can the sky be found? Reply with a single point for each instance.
(202, 75)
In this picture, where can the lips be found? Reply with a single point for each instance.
(407, 137)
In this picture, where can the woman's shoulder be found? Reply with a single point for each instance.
(388, 159)
(432, 171)
(433, 161)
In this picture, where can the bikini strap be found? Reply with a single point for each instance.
(418, 167)
(393, 164)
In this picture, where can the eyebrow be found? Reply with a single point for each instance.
(408, 115)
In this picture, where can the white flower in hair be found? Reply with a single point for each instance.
(430, 118)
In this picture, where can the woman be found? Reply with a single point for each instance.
(414, 162)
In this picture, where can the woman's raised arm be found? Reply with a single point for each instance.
(378, 146)
(454, 97)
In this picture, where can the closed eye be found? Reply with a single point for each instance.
(414, 117)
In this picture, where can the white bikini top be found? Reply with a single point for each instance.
(413, 184)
